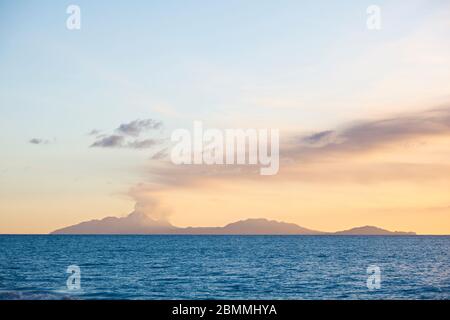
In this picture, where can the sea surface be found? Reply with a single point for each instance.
(224, 267)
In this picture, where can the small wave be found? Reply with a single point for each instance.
(26, 295)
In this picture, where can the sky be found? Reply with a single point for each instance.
(380, 98)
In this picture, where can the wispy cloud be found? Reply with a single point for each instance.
(330, 155)
(38, 141)
(94, 132)
(163, 153)
(142, 144)
(368, 135)
(127, 135)
(112, 141)
(136, 127)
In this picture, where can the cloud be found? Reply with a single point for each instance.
(333, 155)
(136, 127)
(368, 135)
(94, 132)
(112, 141)
(38, 141)
(142, 144)
(115, 141)
(127, 135)
(321, 138)
(160, 154)
(147, 203)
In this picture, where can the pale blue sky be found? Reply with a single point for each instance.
(198, 58)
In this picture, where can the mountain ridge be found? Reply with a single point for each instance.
(137, 223)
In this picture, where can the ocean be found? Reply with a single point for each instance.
(224, 267)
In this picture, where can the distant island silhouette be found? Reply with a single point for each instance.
(138, 223)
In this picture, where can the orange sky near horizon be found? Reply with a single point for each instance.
(399, 188)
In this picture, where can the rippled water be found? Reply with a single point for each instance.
(224, 267)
